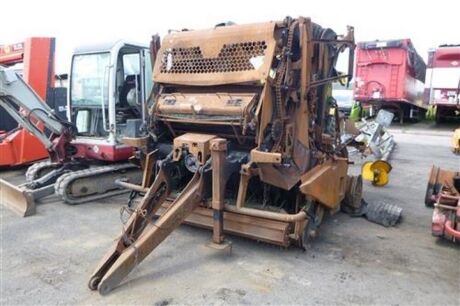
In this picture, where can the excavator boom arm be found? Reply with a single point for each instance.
(28, 109)
(21, 102)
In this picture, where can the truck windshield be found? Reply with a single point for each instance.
(90, 79)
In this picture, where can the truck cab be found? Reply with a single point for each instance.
(108, 85)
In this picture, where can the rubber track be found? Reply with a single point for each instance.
(32, 171)
(64, 181)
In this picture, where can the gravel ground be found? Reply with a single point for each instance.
(48, 258)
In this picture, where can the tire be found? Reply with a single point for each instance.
(430, 191)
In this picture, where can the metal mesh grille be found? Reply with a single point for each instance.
(231, 58)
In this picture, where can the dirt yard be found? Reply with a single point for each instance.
(48, 258)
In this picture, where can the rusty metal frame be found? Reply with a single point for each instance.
(301, 157)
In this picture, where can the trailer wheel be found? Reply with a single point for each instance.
(429, 192)
(438, 115)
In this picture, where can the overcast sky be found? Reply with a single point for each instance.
(427, 23)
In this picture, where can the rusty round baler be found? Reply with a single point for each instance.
(244, 139)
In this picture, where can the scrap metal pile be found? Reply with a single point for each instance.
(374, 134)
(370, 138)
(378, 142)
(443, 193)
(245, 139)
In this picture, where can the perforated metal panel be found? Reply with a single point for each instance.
(232, 57)
(218, 56)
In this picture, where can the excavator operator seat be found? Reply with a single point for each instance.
(127, 94)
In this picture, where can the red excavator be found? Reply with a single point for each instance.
(108, 87)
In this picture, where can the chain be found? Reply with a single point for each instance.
(280, 79)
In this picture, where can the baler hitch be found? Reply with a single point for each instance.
(143, 234)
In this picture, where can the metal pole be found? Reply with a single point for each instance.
(218, 152)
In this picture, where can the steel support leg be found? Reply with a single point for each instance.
(218, 152)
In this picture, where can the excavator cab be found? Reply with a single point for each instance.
(108, 86)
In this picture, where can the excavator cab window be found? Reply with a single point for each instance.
(89, 83)
(89, 93)
(82, 121)
(130, 93)
(131, 86)
(92, 98)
